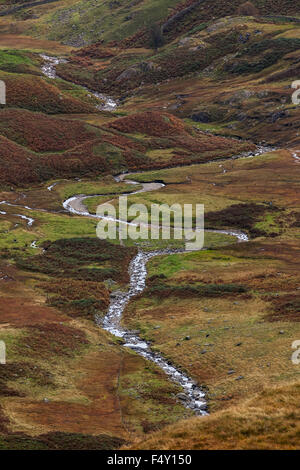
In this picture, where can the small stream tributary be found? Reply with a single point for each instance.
(193, 396)
(107, 103)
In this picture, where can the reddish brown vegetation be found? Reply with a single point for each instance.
(4, 421)
(87, 152)
(14, 371)
(34, 93)
(150, 123)
(40, 132)
(78, 298)
(53, 339)
(285, 308)
(187, 142)
(31, 312)
(70, 259)
(17, 164)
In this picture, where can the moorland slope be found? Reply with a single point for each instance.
(219, 85)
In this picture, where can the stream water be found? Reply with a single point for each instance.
(29, 220)
(107, 103)
(192, 395)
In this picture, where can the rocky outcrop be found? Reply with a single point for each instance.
(136, 70)
(179, 16)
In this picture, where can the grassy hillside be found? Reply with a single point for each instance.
(228, 315)
(78, 23)
(267, 421)
(45, 133)
(258, 56)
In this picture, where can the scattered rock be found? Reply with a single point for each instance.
(202, 407)
(182, 397)
(128, 74)
(201, 116)
(245, 38)
(116, 293)
(109, 282)
(275, 116)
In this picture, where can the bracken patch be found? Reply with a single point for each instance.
(285, 308)
(53, 339)
(14, 371)
(87, 259)
(41, 133)
(77, 298)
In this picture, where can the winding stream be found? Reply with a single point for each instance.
(29, 220)
(193, 396)
(49, 69)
